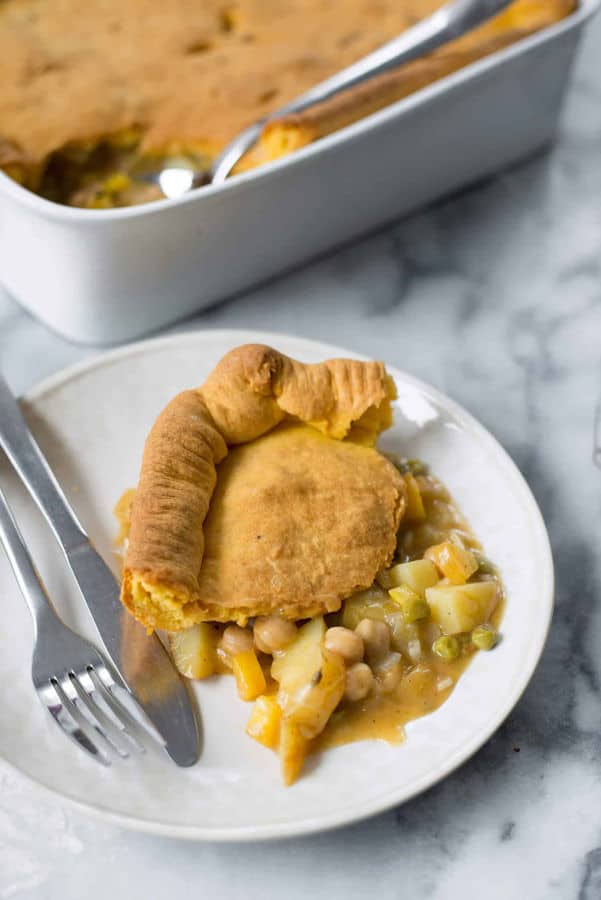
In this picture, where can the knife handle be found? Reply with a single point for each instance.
(23, 452)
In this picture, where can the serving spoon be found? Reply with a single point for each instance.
(447, 23)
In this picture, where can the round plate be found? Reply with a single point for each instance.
(91, 421)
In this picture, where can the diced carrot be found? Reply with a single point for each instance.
(250, 679)
(453, 561)
(293, 750)
(264, 722)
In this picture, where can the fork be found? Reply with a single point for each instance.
(70, 676)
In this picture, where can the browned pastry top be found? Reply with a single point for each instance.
(300, 518)
(188, 74)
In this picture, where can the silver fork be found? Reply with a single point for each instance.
(70, 676)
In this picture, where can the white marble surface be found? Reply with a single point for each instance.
(495, 297)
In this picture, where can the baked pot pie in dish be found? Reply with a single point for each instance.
(271, 538)
(92, 98)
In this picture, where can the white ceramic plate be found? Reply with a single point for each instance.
(91, 421)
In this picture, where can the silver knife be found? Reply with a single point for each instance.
(141, 660)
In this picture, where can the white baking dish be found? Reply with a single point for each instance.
(110, 275)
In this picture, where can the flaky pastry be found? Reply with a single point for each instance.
(261, 492)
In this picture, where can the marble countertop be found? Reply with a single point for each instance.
(494, 296)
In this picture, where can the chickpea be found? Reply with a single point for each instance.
(346, 643)
(273, 633)
(376, 638)
(359, 682)
(236, 640)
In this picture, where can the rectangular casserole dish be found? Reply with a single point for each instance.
(101, 276)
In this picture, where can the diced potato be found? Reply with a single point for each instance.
(249, 676)
(453, 561)
(194, 650)
(311, 679)
(297, 664)
(311, 704)
(293, 750)
(264, 722)
(458, 608)
(417, 575)
(415, 511)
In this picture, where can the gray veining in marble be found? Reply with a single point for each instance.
(495, 297)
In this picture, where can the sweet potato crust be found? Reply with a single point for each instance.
(298, 477)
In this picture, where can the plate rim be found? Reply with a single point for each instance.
(385, 802)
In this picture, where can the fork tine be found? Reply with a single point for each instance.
(109, 706)
(101, 724)
(51, 699)
(77, 711)
(127, 702)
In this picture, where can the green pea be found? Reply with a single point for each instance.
(447, 647)
(484, 637)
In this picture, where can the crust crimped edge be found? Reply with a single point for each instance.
(251, 390)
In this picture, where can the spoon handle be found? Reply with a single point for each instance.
(449, 22)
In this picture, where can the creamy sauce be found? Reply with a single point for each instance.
(425, 686)
(422, 689)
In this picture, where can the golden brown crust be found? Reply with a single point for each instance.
(252, 390)
(298, 522)
(254, 387)
(75, 74)
(176, 483)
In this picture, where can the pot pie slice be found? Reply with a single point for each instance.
(342, 589)
(291, 521)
